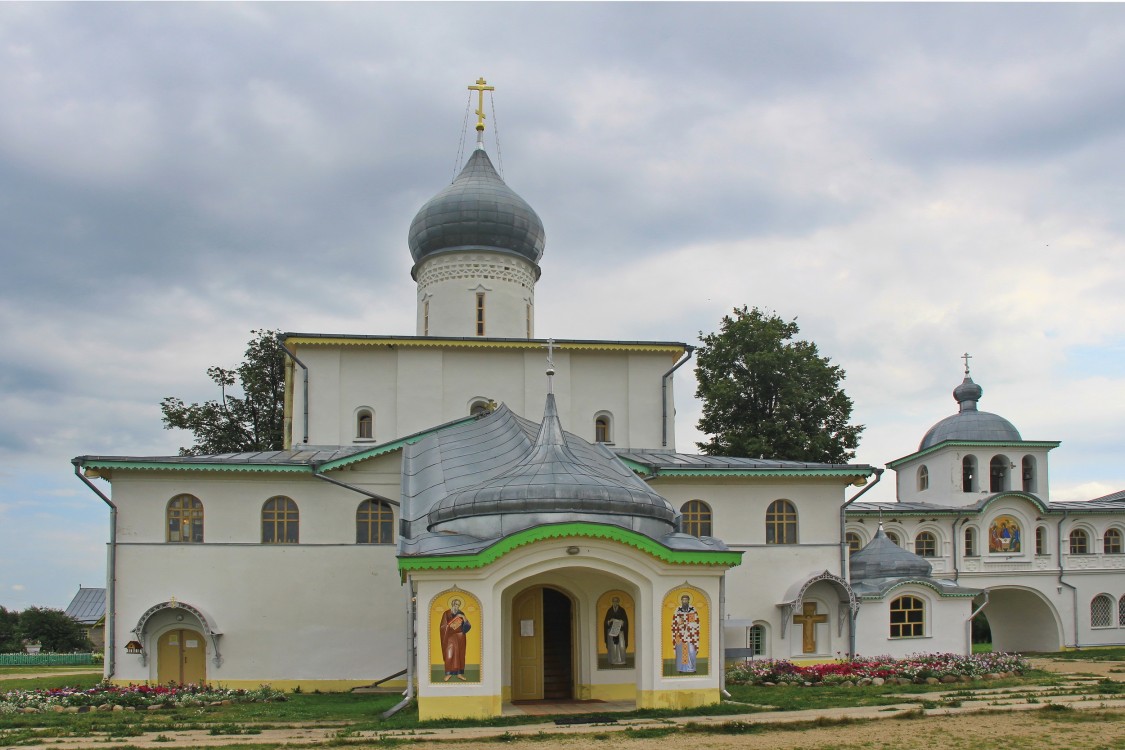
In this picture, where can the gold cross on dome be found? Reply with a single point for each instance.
(480, 88)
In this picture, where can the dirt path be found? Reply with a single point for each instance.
(52, 673)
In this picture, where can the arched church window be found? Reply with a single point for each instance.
(426, 318)
(998, 474)
(696, 518)
(1028, 473)
(970, 541)
(969, 474)
(781, 523)
(1121, 611)
(756, 640)
(1101, 611)
(923, 478)
(280, 521)
(1079, 542)
(894, 538)
(1111, 542)
(185, 519)
(1040, 540)
(374, 523)
(855, 542)
(908, 617)
(602, 428)
(364, 424)
(925, 544)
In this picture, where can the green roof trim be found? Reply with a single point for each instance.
(567, 530)
(158, 465)
(944, 594)
(841, 472)
(636, 466)
(379, 450)
(1048, 444)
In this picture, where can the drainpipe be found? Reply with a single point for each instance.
(305, 398)
(111, 576)
(956, 541)
(664, 395)
(723, 636)
(353, 488)
(969, 625)
(844, 557)
(844, 523)
(1073, 589)
(410, 619)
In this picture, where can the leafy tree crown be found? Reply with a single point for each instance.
(767, 394)
(253, 421)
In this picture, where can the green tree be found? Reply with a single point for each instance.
(767, 395)
(58, 633)
(9, 632)
(235, 424)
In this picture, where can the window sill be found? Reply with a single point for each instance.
(363, 440)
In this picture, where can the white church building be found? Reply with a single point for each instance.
(485, 517)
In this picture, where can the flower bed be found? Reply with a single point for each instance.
(914, 668)
(130, 697)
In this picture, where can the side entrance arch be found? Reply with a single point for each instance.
(181, 657)
(1022, 620)
(542, 645)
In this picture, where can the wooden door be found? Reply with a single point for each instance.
(181, 657)
(527, 645)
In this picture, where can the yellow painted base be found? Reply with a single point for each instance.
(677, 698)
(458, 707)
(287, 686)
(622, 691)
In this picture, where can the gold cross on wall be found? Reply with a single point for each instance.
(808, 620)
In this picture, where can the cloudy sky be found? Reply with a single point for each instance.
(908, 181)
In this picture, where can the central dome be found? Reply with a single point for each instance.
(477, 212)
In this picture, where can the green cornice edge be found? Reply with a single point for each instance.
(157, 465)
(1048, 444)
(858, 472)
(561, 531)
(920, 582)
(379, 450)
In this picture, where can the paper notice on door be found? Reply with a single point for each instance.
(191, 643)
(527, 628)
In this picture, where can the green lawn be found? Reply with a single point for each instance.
(1106, 653)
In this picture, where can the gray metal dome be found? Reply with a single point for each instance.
(882, 558)
(477, 212)
(550, 484)
(969, 423)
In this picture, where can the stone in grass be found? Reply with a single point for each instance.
(155, 707)
(847, 683)
(71, 709)
(949, 679)
(992, 676)
(876, 681)
(933, 681)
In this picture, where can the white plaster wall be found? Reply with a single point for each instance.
(946, 630)
(411, 389)
(331, 612)
(944, 467)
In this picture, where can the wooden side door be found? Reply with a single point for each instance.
(527, 645)
(181, 657)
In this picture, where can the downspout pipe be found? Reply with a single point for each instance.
(723, 636)
(960, 520)
(1073, 589)
(353, 488)
(305, 396)
(111, 576)
(844, 555)
(969, 625)
(664, 394)
(411, 612)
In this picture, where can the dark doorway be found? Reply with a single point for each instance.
(558, 674)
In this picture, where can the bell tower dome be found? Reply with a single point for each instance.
(476, 247)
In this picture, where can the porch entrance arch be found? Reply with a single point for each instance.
(1022, 620)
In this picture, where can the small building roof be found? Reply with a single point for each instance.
(88, 606)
